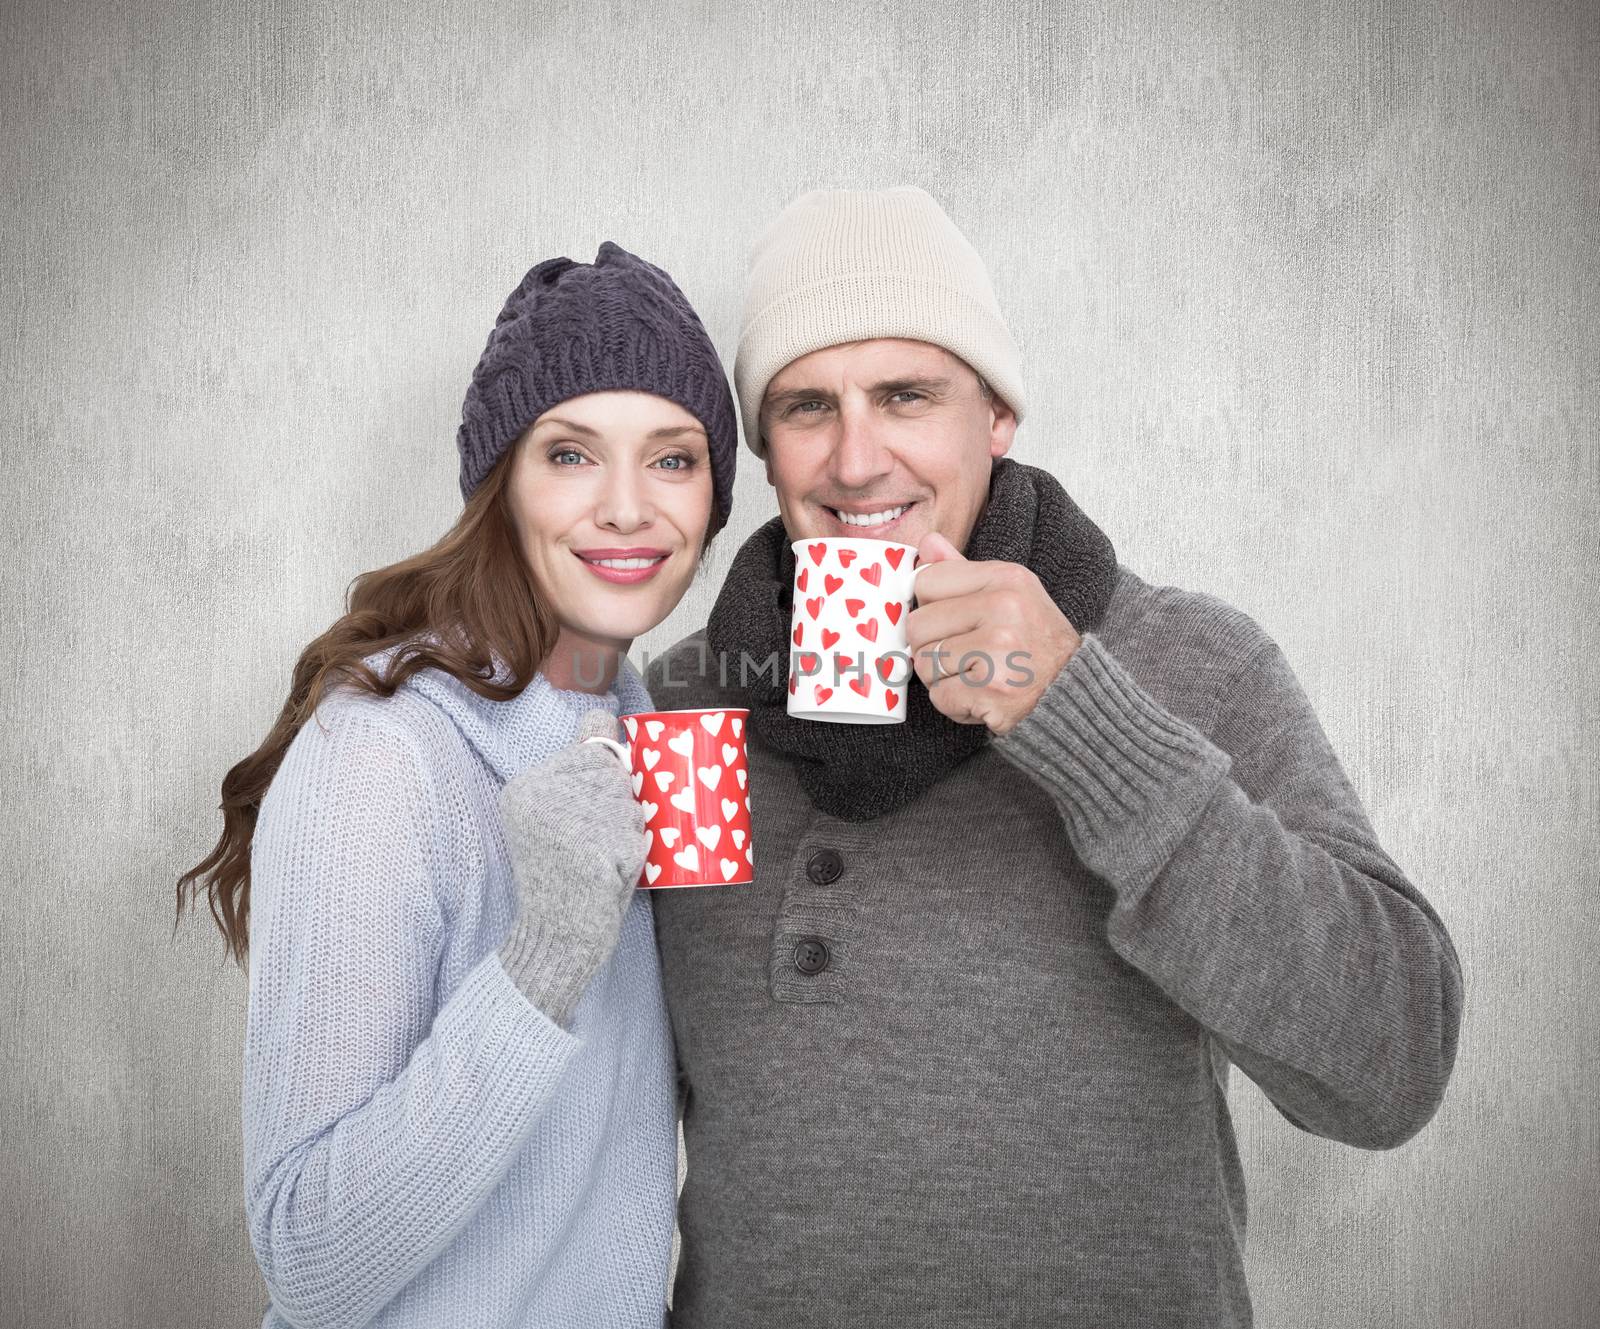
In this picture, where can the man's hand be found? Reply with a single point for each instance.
(999, 637)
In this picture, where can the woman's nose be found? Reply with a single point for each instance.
(622, 504)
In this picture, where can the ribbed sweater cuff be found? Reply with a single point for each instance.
(548, 968)
(1131, 779)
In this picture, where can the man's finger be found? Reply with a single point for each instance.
(943, 618)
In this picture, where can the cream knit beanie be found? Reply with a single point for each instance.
(840, 265)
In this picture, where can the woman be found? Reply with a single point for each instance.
(458, 1073)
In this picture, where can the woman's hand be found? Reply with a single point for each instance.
(577, 839)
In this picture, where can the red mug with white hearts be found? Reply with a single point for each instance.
(848, 658)
(692, 775)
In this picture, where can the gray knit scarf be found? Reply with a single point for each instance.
(860, 772)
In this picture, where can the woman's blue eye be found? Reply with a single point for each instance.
(565, 452)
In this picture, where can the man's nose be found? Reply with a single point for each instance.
(859, 454)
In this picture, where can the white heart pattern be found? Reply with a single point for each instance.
(651, 872)
(650, 810)
(741, 776)
(729, 807)
(654, 728)
(683, 744)
(710, 776)
(638, 782)
(738, 837)
(683, 800)
(708, 835)
(664, 779)
(688, 858)
(738, 724)
(729, 867)
(651, 757)
(632, 726)
(669, 836)
(713, 723)
(729, 752)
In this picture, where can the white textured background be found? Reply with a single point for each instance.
(1308, 301)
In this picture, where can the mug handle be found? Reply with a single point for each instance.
(615, 746)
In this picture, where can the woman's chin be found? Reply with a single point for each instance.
(626, 615)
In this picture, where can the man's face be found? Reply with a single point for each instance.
(895, 433)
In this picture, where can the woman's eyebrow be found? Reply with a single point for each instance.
(576, 428)
(573, 425)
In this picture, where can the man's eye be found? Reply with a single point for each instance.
(910, 393)
(801, 406)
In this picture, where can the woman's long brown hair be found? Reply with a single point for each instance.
(472, 591)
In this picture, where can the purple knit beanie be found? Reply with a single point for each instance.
(571, 328)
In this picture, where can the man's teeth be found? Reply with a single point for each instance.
(870, 518)
(627, 563)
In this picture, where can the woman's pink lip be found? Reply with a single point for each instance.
(621, 576)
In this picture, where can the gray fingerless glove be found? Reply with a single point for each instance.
(577, 843)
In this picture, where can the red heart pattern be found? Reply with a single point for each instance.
(824, 610)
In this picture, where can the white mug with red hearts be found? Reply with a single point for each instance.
(848, 661)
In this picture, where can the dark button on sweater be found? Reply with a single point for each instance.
(811, 956)
(824, 866)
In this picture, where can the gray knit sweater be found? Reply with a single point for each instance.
(967, 1064)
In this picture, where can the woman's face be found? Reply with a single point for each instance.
(611, 496)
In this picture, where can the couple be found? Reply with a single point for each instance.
(960, 1054)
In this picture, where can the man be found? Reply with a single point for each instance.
(959, 1055)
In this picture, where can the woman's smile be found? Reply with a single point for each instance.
(623, 566)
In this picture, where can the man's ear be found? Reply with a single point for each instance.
(1002, 426)
(766, 459)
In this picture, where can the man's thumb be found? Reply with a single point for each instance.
(935, 548)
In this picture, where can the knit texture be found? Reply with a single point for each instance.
(617, 324)
(577, 839)
(1003, 1099)
(423, 1147)
(859, 772)
(842, 265)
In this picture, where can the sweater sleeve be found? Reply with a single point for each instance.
(1250, 887)
(376, 1121)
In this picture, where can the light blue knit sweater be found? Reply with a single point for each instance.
(422, 1145)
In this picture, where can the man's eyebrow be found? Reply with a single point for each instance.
(577, 428)
(925, 382)
(934, 383)
(791, 395)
